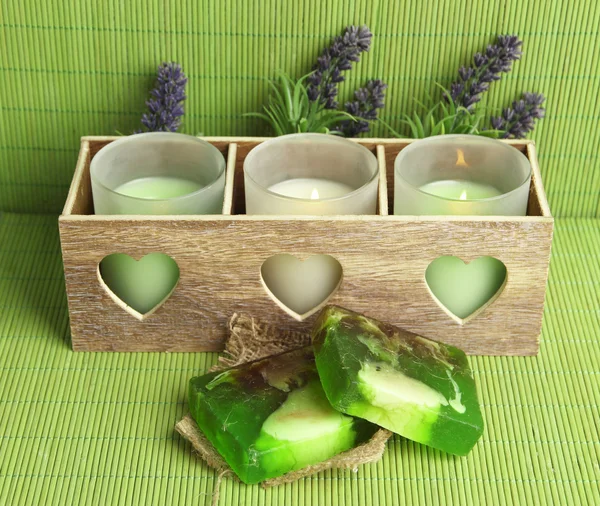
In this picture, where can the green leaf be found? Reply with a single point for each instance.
(421, 104)
(438, 129)
(259, 115)
(287, 95)
(494, 134)
(305, 104)
(419, 125)
(300, 100)
(278, 98)
(280, 113)
(413, 127)
(274, 123)
(392, 131)
(327, 118)
(474, 128)
(429, 121)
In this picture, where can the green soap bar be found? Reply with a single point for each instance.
(419, 388)
(271, 416)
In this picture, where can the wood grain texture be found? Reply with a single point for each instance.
(382, 204)
(229, 178)
(538, 203)
(79, 198)
(384, 259)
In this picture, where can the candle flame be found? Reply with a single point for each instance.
(463, 195)
(315, 194)
(460, 158)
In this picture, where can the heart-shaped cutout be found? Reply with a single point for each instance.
(462, 289)
(140, 287)
(301, 287)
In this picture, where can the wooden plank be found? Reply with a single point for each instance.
(383, 262)
(229, 178)
(383, 203)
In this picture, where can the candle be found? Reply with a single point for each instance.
(157, 173)
(460, 190)
(462, 175)
(310, 174)
(311, 188)
(158, 187)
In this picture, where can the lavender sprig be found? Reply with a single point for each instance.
(165, 107)
(335, 59)
(487, 68)
(366, 104)
(517, 121)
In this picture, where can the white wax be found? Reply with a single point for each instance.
(311, 188)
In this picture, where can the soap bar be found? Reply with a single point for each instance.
(271, 416)
(418, 388)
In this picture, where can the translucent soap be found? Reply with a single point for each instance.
(419, 388)
(271, 416)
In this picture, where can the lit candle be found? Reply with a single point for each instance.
(311, 188)
(158, 173)
(460, 189)
(310, 174)
(462, 175)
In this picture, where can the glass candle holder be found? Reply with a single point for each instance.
(153, 173)
(158, 173)
(310, 174)
(461, 175)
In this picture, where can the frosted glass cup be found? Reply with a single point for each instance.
(310, 174)
(153, 173)
(158, 173)
(461, 175)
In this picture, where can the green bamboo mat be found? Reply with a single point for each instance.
(85, 428)
(70, 68)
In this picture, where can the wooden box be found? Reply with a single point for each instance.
(383, 257)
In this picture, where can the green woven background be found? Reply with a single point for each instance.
(81, 428)
(70, 69)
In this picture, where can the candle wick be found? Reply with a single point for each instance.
(315, 194)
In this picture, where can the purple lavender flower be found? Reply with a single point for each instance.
(487, 68)
(335, 59)
(367, 101)
(517, 121)
(166, 103)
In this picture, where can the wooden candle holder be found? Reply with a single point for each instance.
(383, 257)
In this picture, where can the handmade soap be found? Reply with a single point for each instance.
(411, 385)
(271, 416)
